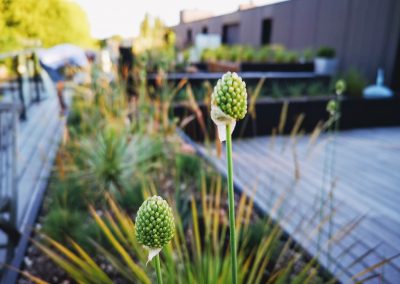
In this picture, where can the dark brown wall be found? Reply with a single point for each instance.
(365, 33)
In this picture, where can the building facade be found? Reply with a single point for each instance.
(364, 33)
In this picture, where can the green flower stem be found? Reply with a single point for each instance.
(158, 269)
(231, 197)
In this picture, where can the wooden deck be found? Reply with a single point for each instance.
(38, 139)
(362, 170)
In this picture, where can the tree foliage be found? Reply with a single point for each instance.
(24, 23)
(154, 34)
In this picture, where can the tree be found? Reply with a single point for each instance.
(153, 35)
(49, 21)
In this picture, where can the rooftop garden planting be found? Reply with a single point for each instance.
(187, 159)
(265, 54)
(117, 154)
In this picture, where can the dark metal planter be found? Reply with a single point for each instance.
(356, 113)
(277, 67)
(266, 67)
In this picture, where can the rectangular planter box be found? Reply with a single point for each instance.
(356, 113)
(266, 67)
(277, 67)
(251, 78)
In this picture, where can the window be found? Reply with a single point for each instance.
(204, 30)
(266, 31)
(189, 36)
(230, 34)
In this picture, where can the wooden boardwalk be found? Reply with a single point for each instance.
(357, 227)
(38, 139)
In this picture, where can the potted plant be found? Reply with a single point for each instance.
(325, 62)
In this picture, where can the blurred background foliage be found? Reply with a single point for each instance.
(27, 23)
(156, 43)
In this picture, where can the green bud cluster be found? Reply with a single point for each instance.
(332, 107)
(155, 225)
(340, 87)
(230, 95)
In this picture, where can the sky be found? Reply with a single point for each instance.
(123, 17)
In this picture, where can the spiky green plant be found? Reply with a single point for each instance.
(197, 252)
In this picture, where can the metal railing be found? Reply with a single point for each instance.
(24, 85)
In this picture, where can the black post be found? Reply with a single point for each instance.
(17, 61)
(396, 71)
(36, 75)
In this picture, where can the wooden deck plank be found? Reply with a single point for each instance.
(28, 143)
(300, 197)
(366, 166)
(39, 148)
(388, 227)
(38, 140)
(369, 206)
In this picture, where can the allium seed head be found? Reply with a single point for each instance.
(332, 107)
(230, 96)
(340, 87)
(155, 225)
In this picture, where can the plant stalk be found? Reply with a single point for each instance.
(231, 197)
(158, 269)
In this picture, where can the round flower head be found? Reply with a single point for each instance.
(228, 101)
(340, 87)
(332, 107)
(155, 225)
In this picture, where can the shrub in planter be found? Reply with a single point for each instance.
(278, 53)
(208, 55)
(326, 52)
(235, 53)
(221, 53)
(264, 54)
(291, 57)
(247, 54)
(325, 61)
(355, 83)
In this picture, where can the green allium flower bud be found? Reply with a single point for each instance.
(230, 95)
(340, 87)
(332, 107)
(155, 225)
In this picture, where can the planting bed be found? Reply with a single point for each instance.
(109, 155)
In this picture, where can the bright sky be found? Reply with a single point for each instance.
(123, 17)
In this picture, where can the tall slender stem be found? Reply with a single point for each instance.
(158, 269)
(231, 197)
